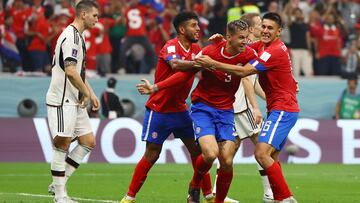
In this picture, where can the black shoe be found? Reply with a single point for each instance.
(194, 195)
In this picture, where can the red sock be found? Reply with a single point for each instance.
(222, 185)
(205, 183)
(277, 182)
(139, 176)
(201, 168)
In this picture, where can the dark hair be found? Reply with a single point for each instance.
(111, 83)
(236, 25)
(248, 18)
(274, 17)
(351, 77)
(49, 11)
(183, 17)
(85, 5)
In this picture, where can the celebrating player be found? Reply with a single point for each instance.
(212, 111)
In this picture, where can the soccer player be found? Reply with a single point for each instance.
(166, 111)
(273, 65)
(245, 124)
(212, 110)
(67, 97)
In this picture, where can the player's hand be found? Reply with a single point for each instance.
(95, 103)
(84, 100)
(146, 87)
(205, 62)
(297, 87)
(216, 38)
(257, 116)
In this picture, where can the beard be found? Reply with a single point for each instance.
(191, 38)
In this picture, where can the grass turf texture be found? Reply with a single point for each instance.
(168, 183)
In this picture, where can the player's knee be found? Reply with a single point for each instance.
(210, 155)
(226, 163)
(152, 155)
(260, 156)
(62, 144)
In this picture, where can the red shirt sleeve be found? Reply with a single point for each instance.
(177, 78)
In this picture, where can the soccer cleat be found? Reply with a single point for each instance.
(287, 200)
(194, 195)
(268, 199)
(65, 199)
(210, 199)
(229, 200)
(124, 200)
(51, 189)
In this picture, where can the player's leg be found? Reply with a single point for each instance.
(150, 156)
(61, 123)
(271, 140)
(86, 142)
(227, 150)
(155, 131)
(183, 129)
(268, 196)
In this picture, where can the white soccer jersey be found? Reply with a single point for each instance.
(69, 46)
(241, 101)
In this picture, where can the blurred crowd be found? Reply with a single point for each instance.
(323, 35)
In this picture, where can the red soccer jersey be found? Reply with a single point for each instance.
(135, 20)
(216, 88)
(275, 76)
(173, 99)
(19, 18)
(42, 26)
(103, 45)
(90, 37)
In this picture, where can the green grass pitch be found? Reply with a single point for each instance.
(167, 183)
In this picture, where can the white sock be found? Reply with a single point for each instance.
(265, 181)
(129, 198)
(74, 159)
(58, 171)
(217, 170)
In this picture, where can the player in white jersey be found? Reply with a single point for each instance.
(68, 95)
(245, 123)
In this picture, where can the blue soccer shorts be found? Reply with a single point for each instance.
(212, 121)
(276, 128)
(158, 126)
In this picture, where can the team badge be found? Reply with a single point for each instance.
(265, 56)
(74, 52)
(154, 135)
(197, 130)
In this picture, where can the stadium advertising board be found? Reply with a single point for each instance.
(119, 141)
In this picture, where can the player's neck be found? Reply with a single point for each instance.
(230, 50)
(78, 25)
(184, 42)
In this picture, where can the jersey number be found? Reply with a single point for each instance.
(266, 126)
(227, 77)
(135, 19)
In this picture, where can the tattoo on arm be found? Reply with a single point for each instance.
(69, 63)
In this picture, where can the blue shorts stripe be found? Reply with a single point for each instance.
(148, 125)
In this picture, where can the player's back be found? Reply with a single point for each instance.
(217, 88)
(277, 80)
(172, 99)
(69, 46)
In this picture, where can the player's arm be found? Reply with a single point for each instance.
(76, 81)
(250, 93)
(94, 100)
(178, 78)
(259, 91)
(242, 71)
(182, 65)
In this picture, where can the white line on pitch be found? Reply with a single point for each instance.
(49, 196)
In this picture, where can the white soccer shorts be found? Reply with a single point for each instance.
(68, 121)
(245, 125)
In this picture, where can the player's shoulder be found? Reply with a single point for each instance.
(70, 34)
